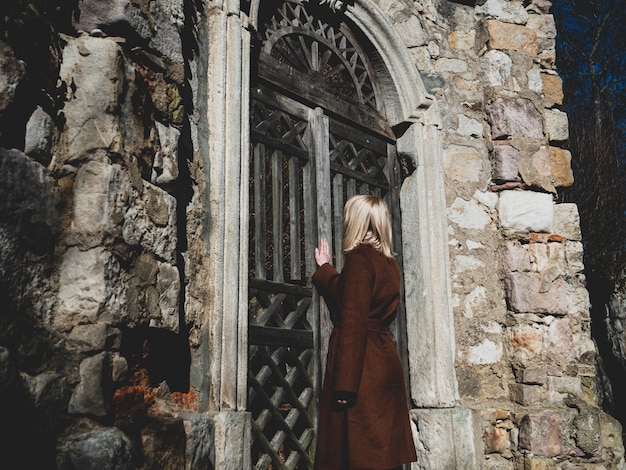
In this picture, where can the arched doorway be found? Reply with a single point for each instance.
(319, 134)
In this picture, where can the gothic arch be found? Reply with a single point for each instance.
(414, 114)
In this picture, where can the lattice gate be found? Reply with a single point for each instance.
(318, 136)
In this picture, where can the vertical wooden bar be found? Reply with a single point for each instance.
(294, 218)
(259, 211)
(277, 216)
(338, 203)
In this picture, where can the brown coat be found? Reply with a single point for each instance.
(363, 363)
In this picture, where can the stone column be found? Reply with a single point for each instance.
(223, 136)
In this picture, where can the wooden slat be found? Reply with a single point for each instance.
(291, 289)
(259, 209)
(295, 253)
(263, 335)
(277, 217)
(278, 144)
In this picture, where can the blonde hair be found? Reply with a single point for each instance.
(366, 220)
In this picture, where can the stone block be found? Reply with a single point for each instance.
(588, 425)
(496, 67)
(505, 163)
(536, 169)
(612, 437)
(165, 165)
(556, 124)
(436, 429)
(560, 340)
(546, 433)
(93, 70)
(38, 138)
(119, 368)
(91, 395)
(527, 340)
(562, 173)
(533, 463)
(101, 196)
(150, 222)
(574, 252)
(526, 394)
(47, 391)
(524, 296)
(567, 221)
(468, 214)
(199, 429)
(514, 117)
(526, 210)
(462, 41)
(98, 449)
(537, 375)
(545, 28)
(231, 429)
(511, 12)
(12, 71)
(559, 388)
(446, 65)
(26, 198)
(94, 338)
(516, 257)
(487, 352)
(463, 164)
(469, 127)
(507, 36)
(168, 287)
(411, 32)
(497, 441)
(552, 89)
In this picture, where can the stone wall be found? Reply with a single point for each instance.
(105, 266)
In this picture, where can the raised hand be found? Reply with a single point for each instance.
(322, 254)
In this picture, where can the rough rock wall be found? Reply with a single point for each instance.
(102, 224)
(526, 363)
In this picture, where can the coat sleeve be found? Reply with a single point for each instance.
(357, 282)
(327, 279)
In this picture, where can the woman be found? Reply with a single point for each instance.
(364, 418)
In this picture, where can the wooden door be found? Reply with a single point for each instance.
(318, 136)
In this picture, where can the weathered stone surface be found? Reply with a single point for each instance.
(539, 6)
(151, 223)
(546, 433)
(496, 67)
(487, 352)
(526, 394)
(90, 397)
(497, 441)
(469, 127)
(561, 167)
(12, 72)
(463, 164)
(411, 32)
(505, 160)
(26, 197)
(519, 287)
(468, 214)
(526, 210)
(516, 117)
(47, 391)
(612, 438)
(537, 375)
(101, 196)
(545, 28)
(113, 17)
(552, 89)
(165, 166)
(461, 40)
(100, 449)
(536, 169)
(94, 338)
(509, 11)
(119, 367)
(557, 125)
(436, 428)
(163, 440)
(559, 388)
(516, 257)
(38, 139)
(232, 428)
(199, 429)
(507, 36)
(93, 70)
(168, 287)
(567, 221)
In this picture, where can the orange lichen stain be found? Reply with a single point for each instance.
(526, 341)
(188, 401)
(135, 398)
